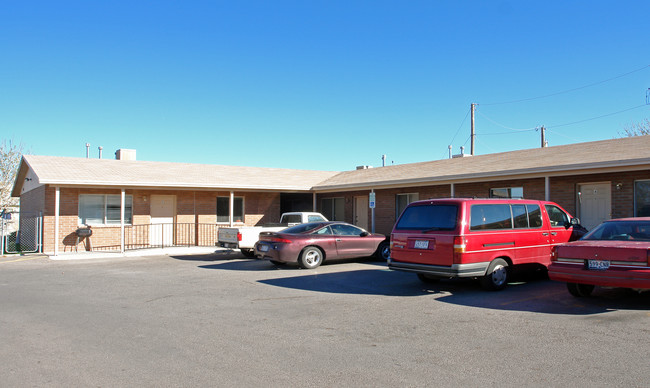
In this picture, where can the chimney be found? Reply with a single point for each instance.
(125, 154)
(87, 150)
(100, 148)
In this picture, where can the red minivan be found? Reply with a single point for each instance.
(480, 238)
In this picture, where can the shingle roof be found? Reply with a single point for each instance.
(616, 155)
(629, 152)
(58, 170)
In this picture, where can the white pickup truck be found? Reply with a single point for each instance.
(244, 238)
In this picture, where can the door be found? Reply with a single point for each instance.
(595, 202)
(361, 212)
(163, 210)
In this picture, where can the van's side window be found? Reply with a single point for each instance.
(557, 216)
(520, 216)
(534, 216)
(490, 217)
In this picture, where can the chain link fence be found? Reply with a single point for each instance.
(20, 233)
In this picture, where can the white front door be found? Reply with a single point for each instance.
(361, 212)
(163, 209)
(595, 201)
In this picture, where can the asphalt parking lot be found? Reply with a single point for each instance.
(222, 320)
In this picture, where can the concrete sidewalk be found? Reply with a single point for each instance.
(130, 253)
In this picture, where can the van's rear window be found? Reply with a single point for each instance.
(429, 217)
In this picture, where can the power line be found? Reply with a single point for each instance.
(569, 90)
(501, 125)
(595, 118)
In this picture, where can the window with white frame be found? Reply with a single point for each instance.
(402, 200)
(507, 192)
(223, 209)
(99, 209)
(642, 198)
(333, 208)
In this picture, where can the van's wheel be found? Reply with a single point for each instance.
(496, 277)
(310, 257)
(383, 251)
(580, 290)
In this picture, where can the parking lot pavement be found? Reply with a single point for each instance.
(221, 320)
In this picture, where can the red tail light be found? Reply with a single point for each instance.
(554, 253)
(459, 248)
(278, 240)
(239, 236)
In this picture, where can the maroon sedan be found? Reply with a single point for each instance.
(614, 254)
(312, 243)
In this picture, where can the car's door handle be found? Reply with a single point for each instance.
(554, 233)
(338, 239)
(545, 234)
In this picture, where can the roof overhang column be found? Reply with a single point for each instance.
(57, 208)
(547, 188)
(122, 206)
(314, 205)
(231, 209)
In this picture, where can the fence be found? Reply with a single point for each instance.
(20, 232)
(153, 236)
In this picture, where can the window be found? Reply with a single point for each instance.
(223, 209)
(557, 216)
(642, 198)
(346, 230)
(429, 217)
(507, 192)
(333, 208)
(401, 200)
(490, 217)
(101, 209)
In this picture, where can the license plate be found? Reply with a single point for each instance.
(598, 264)
(421, 244)
(263, 248)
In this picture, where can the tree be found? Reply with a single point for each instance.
(636, 129)
(10, 156)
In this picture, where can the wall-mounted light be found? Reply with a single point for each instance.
(618, 186)
(28, 179)
(144, 198)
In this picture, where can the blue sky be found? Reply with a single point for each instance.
(324, 85)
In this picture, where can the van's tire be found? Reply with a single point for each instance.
(383, 251)
(580, 290)
(310, 258)
(248, 253)
(428, 279)
(497, 276)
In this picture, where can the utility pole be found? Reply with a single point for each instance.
(473, 136)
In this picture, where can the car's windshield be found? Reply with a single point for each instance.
(429, 217)
(302, 228)
(620, 230)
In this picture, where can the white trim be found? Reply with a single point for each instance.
(57, 207)
(231, 209)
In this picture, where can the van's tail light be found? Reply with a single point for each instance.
(459, 248)
(238, 236)
(554, 253)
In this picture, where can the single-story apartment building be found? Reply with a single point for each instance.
(136, 204)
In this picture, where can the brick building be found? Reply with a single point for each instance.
(128, 203)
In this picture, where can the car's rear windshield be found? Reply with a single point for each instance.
(302, 228)
(429, 217)
(621, 231)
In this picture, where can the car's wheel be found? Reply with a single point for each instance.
(249, 253)
(429, 279)
(580, 290)
(496, 277)
(311, 257)
(383, 251)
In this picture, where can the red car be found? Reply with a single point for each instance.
(311, 243)
(614, 254)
